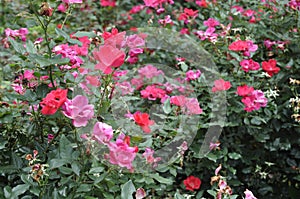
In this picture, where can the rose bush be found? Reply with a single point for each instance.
(127, 99)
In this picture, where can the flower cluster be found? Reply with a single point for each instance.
(246, 47)
(13, 34)
(252, 99)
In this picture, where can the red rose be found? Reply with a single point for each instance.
(270, 67)
(53, 101)
(142, 119)
(191, 183)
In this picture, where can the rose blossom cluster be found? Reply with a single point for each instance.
(120, 151)
(252, 99)
(246, 47)
(209, 33)
(13, 34)
(73, 52)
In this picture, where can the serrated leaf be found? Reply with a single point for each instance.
(127, 190)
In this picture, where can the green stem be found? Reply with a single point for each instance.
(39, 125)
(69, 13)
(45, 28)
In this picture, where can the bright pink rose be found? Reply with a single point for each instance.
(191, 75)
(249, 64)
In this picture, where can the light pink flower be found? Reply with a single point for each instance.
(191, 75)
(125, 87)
(72, 1)
(148, 155)
(28, 74)
(192, 106)
(249, 195)
(149, 71)
(140, 193)
(102, 133)
(218, 169)
(121, 153)
(78, 110)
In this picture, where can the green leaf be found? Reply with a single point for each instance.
(17, 46)
(62, 33)
(56, 163)
(212, 193)
(234, 156)
(75, 168)
(83, 188)
(67, 37)
(96, 170)
(161, 179)
(30, 96)
(178, 196)
(19, 189)
(30, 47)
(167, 107)
(127, 190)
(184, 67)
(64, 148)
(83, 33)
(44, 61)
(7, 192)
(16, 160)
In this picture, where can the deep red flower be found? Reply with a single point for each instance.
(270, 67)
(53, 101)
(192, 183)
(142, 119)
